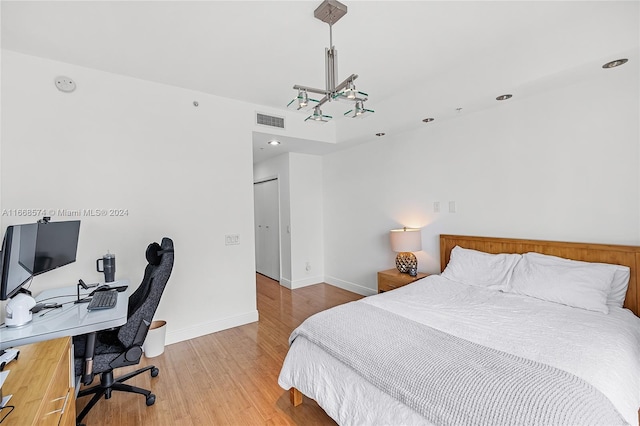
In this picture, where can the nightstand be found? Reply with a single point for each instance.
(392, 278)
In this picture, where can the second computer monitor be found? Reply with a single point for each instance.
(56, 245)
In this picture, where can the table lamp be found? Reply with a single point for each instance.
(403, 242)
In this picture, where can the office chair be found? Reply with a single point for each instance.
(102, 352)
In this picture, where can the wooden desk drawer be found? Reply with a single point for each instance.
(57, 398)
(40, 381)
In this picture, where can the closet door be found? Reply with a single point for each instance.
(267, 218)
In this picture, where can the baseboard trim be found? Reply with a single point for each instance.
(292, 285)
(307, 282)
(285, 283)
(210, 327)
(349, 286)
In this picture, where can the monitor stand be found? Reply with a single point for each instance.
(25, 291)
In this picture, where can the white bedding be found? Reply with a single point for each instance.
(571, 339)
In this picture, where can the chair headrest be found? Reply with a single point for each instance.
(154, 253)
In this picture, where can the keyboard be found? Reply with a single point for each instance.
(103, 300)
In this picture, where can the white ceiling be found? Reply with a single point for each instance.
(416, 59)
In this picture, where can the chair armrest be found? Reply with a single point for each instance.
(141, 333)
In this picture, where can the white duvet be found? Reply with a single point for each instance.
(603, 349)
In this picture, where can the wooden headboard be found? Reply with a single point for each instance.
(603, 253)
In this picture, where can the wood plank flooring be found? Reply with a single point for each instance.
(229, 377)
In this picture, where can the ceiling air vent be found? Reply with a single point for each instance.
(270, 120)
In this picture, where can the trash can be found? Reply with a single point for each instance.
(154, 343)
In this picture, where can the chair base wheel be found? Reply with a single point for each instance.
(151, 399)
(154, 372)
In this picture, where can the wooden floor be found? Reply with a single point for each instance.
(229, 377)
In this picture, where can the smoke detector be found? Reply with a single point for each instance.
(65, 84)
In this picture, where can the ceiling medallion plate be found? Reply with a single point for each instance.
(330, 11)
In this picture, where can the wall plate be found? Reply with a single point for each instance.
(65, 84)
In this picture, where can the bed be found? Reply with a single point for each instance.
(495, 354)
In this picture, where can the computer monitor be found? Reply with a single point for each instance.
(18, 258)
(33, 249)
(56, 245)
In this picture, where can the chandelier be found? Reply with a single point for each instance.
(330, 11)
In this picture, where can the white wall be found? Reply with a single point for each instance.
(562, 165)
(307, 242)
(122, 143)
(301, 223)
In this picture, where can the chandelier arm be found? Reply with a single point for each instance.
(324, 100)
(310, 89)
(342, 85)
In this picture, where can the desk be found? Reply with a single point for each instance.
(70, 320)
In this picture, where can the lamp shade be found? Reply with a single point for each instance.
(406, 240)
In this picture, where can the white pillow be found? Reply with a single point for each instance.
(578, 284)
(619, 284)
(481, 269)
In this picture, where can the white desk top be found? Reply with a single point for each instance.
(70, 320)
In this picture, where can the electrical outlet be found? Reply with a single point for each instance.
(231, 240)
(436, 206)
(452, 206)
(307, 267)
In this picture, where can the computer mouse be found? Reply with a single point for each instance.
(106, 287)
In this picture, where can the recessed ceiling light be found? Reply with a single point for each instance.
(615, 63)
(503, 97)
(274, 142)
(380, 134)
(428, 120)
